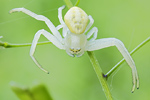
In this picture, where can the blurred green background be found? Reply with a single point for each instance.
(74, 78)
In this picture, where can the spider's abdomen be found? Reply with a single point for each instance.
(76, 20)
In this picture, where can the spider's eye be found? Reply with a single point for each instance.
(76, 20)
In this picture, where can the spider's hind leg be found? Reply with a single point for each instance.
(62, 23)
(60, 14)
(90, 23)
(93, 32)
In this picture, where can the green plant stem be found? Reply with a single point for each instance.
(68, 3)
(99, 73)
(10, 45)
(77, 3)
(96, 66)
(132, 52)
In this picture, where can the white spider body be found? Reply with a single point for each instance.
(76, 20)
(75, 41)
(75, 44)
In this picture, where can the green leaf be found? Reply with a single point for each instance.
(40, 92)
(37, 92)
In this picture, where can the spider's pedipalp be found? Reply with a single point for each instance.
(107, 42)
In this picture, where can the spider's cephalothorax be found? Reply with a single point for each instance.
(75, 44)
(74, 40)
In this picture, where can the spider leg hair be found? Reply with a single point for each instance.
(50, 37)
(41, 18)
(94, 31)
(107, 42)
(90, 23)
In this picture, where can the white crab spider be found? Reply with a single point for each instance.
(74, 39)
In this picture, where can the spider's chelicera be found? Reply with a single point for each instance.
(76, 40)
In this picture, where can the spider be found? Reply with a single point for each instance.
(74, 40)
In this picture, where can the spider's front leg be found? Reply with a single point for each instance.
(51, 38)
(41, 18)
(107, 42)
